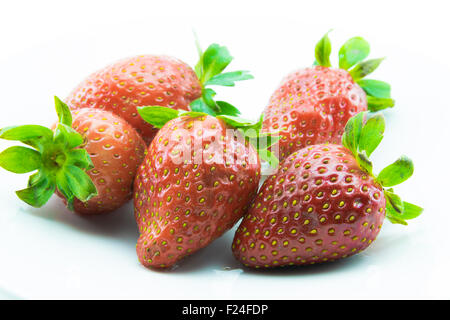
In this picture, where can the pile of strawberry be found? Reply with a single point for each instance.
(149, 128)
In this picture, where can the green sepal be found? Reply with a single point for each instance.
(353, 51)
(371, 133)
(323, 51)
(411, 211)
(365, 68)
(156, 115)
(363, 133)
(19, 159)
(228, 109)
(375, 88)
(67, 136)
(352, 132)
(397, 211)
(63, 112)
(200, 105)
(80, 183)
(396, 173)
(376, 104)
(213, 61)
(364, 162)
(229, 78)
(79, 158)
(32, 135)
(39, 191)
(63, 187)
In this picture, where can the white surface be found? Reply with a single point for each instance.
(48, 47)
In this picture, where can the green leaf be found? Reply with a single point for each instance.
(200, 105)
(63, 111)
(323, 51)
(214, 60)
(372, 133)
(365, 68)
(229, 78)
(364, 162)
(394, 219)
(79, 183)
(63, 187)
(375, 88)
(396, 173)
(411, 211)
(377, 104)
(227, 109)
(38, 193)
(79, 158)
(394, 201)
(236, 122)
(397, 211)
(67, 136)
(208, 97)
(353, 51)
(32, 135)
(20, 159)
(352, 132)
(156, 115)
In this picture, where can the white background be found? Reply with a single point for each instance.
(47, 47)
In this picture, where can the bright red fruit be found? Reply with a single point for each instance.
(312, 105)
(195, 183)
(116, 151)
(324, 203)
(138, 81)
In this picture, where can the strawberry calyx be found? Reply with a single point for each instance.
(158, 116)
(352, 57)
(57, 157)
(209, 70)
(363, 133)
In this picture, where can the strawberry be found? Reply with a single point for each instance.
(149, 80)
(324, 203)
(312, 105)
(90, 159)
(195, 183)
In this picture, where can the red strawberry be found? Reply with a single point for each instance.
(194, 184)
(137, 81)
(312, 105)
(91, 166)
(324, 203)
(153, 80)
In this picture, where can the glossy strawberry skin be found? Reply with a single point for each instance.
(138, 81)
(182, 207)
(116, 151)
(312, 106)
(318, 207)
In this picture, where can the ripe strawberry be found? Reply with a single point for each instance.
(312, 105)
(194, 184)
(324, 203)
(90, 162)
(144, 81)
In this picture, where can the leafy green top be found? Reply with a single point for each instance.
(363, 133)
(351, 57)
(159, 116)
(209, 71)
(56, 157)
